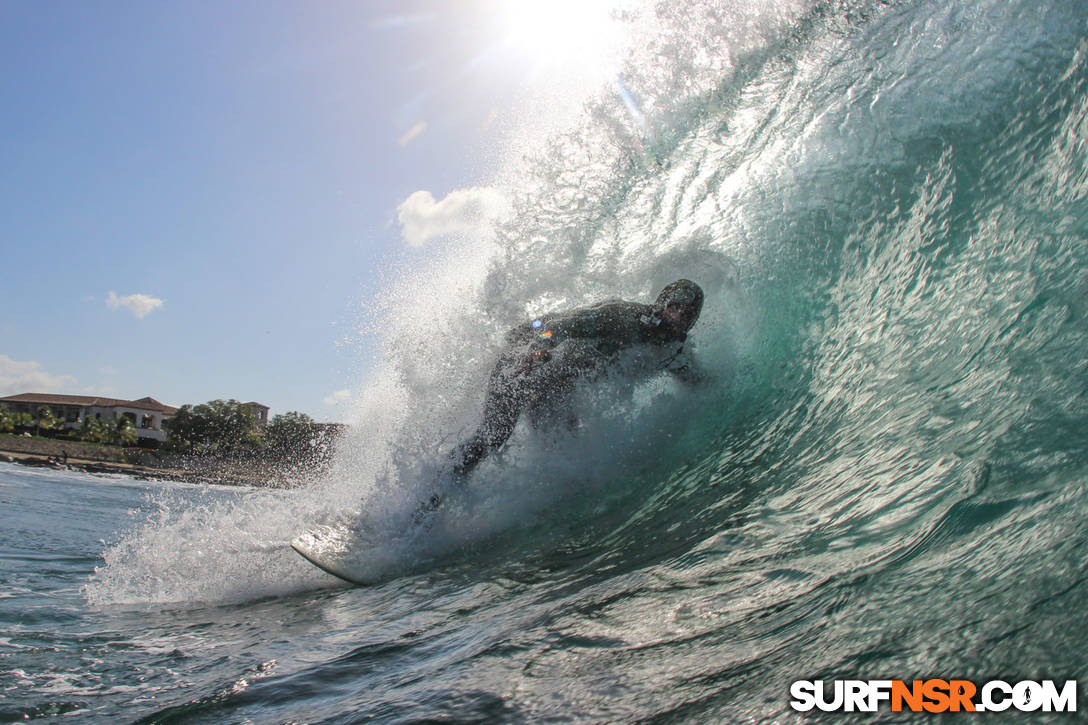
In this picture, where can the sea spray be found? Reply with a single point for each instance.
(882, 251)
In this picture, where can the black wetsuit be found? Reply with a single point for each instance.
(542, 359)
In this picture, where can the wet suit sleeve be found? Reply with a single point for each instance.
(610, 325)
(588, 335)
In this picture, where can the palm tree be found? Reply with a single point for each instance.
(46, 420)
(125, 434)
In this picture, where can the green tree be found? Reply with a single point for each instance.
(94, 430)
(123, 431)
(23, 421)
(290, 435)
(221, 427)
(185, 431)
(7, 420)
(47, 421)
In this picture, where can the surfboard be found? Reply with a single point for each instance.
(349, 550)
(338, 550)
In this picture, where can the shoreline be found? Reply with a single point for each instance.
(142, 473)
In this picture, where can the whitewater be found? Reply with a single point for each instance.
(884, 477)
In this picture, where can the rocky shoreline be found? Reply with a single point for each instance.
(220, 475)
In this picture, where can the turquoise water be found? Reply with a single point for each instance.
(885, 478)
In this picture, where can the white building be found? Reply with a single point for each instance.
(147, 414)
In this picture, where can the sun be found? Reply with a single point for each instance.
(577, 37)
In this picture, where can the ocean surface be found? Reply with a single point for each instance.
(885, 476)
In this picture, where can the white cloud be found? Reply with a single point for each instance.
(338, 398)
(139, 305)
(28, 377)
(463, 211)
(411, 133)
(105, 391)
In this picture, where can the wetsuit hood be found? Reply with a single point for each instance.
(682, 292)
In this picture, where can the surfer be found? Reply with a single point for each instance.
(543, 358)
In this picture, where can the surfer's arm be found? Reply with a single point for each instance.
(614, 323)
(579, 354)
(549, 330)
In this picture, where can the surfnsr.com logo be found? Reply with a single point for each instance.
(933, 695)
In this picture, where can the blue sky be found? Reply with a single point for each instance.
(199, 198)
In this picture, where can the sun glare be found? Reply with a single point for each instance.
(577, 37)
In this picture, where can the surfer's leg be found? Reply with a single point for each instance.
(506, 397)
(500, 417)
(502, 406)
(550, 402)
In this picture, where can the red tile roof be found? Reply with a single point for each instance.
(147, 403)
